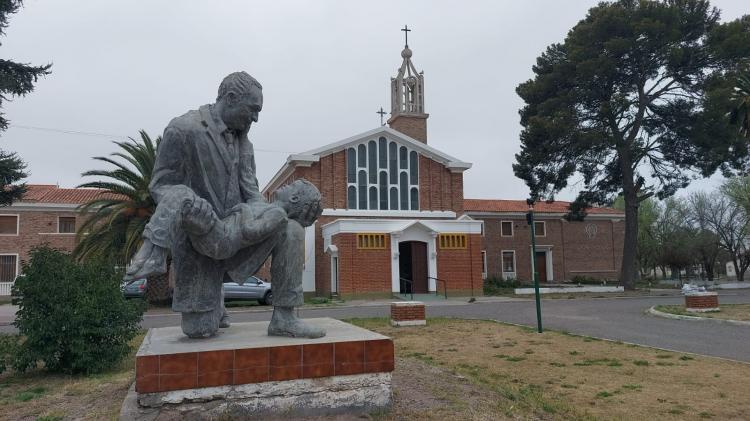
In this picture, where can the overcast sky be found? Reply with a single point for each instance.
(325, 67)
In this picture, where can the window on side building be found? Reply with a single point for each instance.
(8, 224)
(509, 261)
(540, 228)
(8, 267)
(506, 228)
(66, 225)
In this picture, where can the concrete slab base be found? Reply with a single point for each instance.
(356, 394)
(408, 322)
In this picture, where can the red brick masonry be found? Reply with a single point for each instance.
(407, 313)
(708, 301)
(161, 373)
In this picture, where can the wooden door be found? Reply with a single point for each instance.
(541, 265)
(419, 266)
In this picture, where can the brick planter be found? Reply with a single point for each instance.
(700, 302)
(408, 313)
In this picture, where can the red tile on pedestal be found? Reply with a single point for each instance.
(378, 351)
(215, 378)
(178, 363)
(285, 372)
(286, 356)
(211, 361)
(147, 384)
(317, 354)
(349, 352)
(252, 357)
(317, 370)
(177, 381)
(251, 375)
(343, 369)
(146, 365)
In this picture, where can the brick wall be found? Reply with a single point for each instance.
(461, 268)
(575, 252)
(702, 301)
(361, 271)
(37, 228)
(412, 126)
(407, 311)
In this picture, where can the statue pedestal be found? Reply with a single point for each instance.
(242, 371)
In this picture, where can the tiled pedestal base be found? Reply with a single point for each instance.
(408, 313)
(701, 302)
(251, 373)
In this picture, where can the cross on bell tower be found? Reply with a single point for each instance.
(407, 97)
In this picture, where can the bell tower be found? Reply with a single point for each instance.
(407, 98)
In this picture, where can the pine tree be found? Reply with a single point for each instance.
(16, 79)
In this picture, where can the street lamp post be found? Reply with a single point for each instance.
(530, 221)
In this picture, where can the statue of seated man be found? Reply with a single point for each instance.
(213, 220)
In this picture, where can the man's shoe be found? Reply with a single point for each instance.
(285, 322)
(224, 322)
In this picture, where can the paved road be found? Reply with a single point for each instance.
(622, 319)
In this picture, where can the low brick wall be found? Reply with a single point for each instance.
(408, 313)
(702, 301)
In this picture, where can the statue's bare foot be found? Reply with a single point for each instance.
(285, 323)
(150, 260)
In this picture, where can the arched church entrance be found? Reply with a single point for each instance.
(412, 265)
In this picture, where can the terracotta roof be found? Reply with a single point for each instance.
(50, 193)
(482, 205)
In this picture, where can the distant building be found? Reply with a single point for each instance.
(45, 215)
(564, 249)
(395, 219)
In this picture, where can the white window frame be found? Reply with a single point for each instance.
(378, 170)
(18, 263)
(74, 225)
(484, 264)
(544, 224)
(508, 275)
(512, 229)
(18, 225)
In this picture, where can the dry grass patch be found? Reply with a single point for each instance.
(572, 377)
(726, 312)
(39, 395)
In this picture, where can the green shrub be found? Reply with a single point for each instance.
(72, 316)
(586, 280)
(495, 285)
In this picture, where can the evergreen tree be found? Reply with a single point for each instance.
(634, 101)
(16, 79)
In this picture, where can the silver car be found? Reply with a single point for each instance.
(253, 289)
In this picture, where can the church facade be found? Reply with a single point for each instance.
(395, 218)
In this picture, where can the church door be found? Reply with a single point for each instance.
(412, 265)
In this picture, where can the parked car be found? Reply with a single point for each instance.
(253, 289)
(135, 289)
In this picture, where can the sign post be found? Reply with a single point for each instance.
(530, 221)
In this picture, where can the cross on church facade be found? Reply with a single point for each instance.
(382, 113)
(406, 31)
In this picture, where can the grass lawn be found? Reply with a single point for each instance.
(727, 311)
(461, 369)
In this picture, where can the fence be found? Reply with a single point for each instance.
(5, 288)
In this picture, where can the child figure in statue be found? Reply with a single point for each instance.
(247, 224)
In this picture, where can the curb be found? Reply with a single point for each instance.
(654, 312)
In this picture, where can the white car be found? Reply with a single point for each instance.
(252, 289)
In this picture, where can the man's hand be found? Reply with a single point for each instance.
(310, 214)
(198, 216)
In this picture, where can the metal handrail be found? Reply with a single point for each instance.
(411, 290)
(445, 286)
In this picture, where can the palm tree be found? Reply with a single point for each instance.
(740, 115)
(115, 220)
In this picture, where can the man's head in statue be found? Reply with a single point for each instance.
(239, 101)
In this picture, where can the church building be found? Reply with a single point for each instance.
(395, 219)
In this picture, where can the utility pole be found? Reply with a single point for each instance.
(530, 221)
